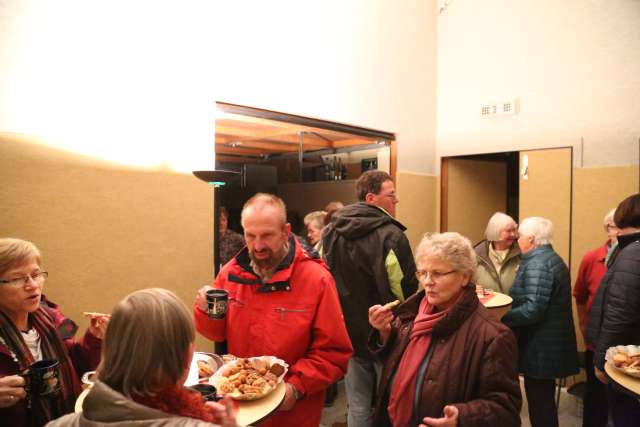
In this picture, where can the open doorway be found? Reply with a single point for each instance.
(522, 184)
(476, 186)
(307, 162)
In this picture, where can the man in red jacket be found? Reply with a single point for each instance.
(283, 303)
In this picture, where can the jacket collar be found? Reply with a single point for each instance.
(627, 239)
(281, 279)
(533, 252)
(105, 404)
(458, 314)
(482, 250)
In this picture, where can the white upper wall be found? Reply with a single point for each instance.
(574, 66)
(134, 82)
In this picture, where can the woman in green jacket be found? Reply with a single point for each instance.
(499, 255)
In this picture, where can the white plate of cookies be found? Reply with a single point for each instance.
(249, 378)
(625, 358)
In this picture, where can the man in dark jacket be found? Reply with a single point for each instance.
(371, 260)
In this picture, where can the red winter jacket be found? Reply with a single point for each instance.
(295, 316)
(592, 270)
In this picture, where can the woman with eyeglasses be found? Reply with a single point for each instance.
(33, 328)
(446, 361)
(542, 319)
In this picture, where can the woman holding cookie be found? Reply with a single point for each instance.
(446, 362)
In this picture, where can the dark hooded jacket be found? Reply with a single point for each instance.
(615, 314)
(370, 257)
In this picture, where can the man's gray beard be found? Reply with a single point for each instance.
(265, 268)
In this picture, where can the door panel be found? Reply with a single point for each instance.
(475, 190)
(545, 190)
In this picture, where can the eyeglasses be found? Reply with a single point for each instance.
(611, 227)
(435, 275)
(22, 281)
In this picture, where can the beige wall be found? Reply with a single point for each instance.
(573, 65)
(595, 192)
(105, 231)
(418, 207)
(476, 190)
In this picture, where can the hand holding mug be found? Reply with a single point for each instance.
(11, 390)
(201, 297)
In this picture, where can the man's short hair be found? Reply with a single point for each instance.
(370, 182)
(266, 199)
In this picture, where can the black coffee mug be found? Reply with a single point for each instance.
(207, 391)
(217, 303)
(42, 379)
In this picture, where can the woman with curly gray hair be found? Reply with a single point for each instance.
(446, 361)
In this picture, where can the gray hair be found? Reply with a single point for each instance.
(608, 218)
(498, 222)
(541, 229)
(15, 252)
(315, 217)
(450, 247)
(146, 343)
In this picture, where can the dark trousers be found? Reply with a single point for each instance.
(625, 410)
(541, 400)
(595, 410)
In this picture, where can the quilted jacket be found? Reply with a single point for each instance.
(615, 314)
(541, 315)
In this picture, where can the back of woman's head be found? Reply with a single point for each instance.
(15, 252)
(628, 212)
(146, 343)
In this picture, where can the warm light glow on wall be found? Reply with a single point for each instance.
(130, 83)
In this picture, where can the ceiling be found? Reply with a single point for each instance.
(245, 139)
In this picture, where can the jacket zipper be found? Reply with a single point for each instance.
(283, 310)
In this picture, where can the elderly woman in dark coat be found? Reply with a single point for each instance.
(447, 363)
(615, 314)
(542, 318)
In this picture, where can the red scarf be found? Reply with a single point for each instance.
(402, 391)
(178, 400)
(51, 342)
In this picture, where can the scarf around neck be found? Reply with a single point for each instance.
(43, 410)
(402, 391)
